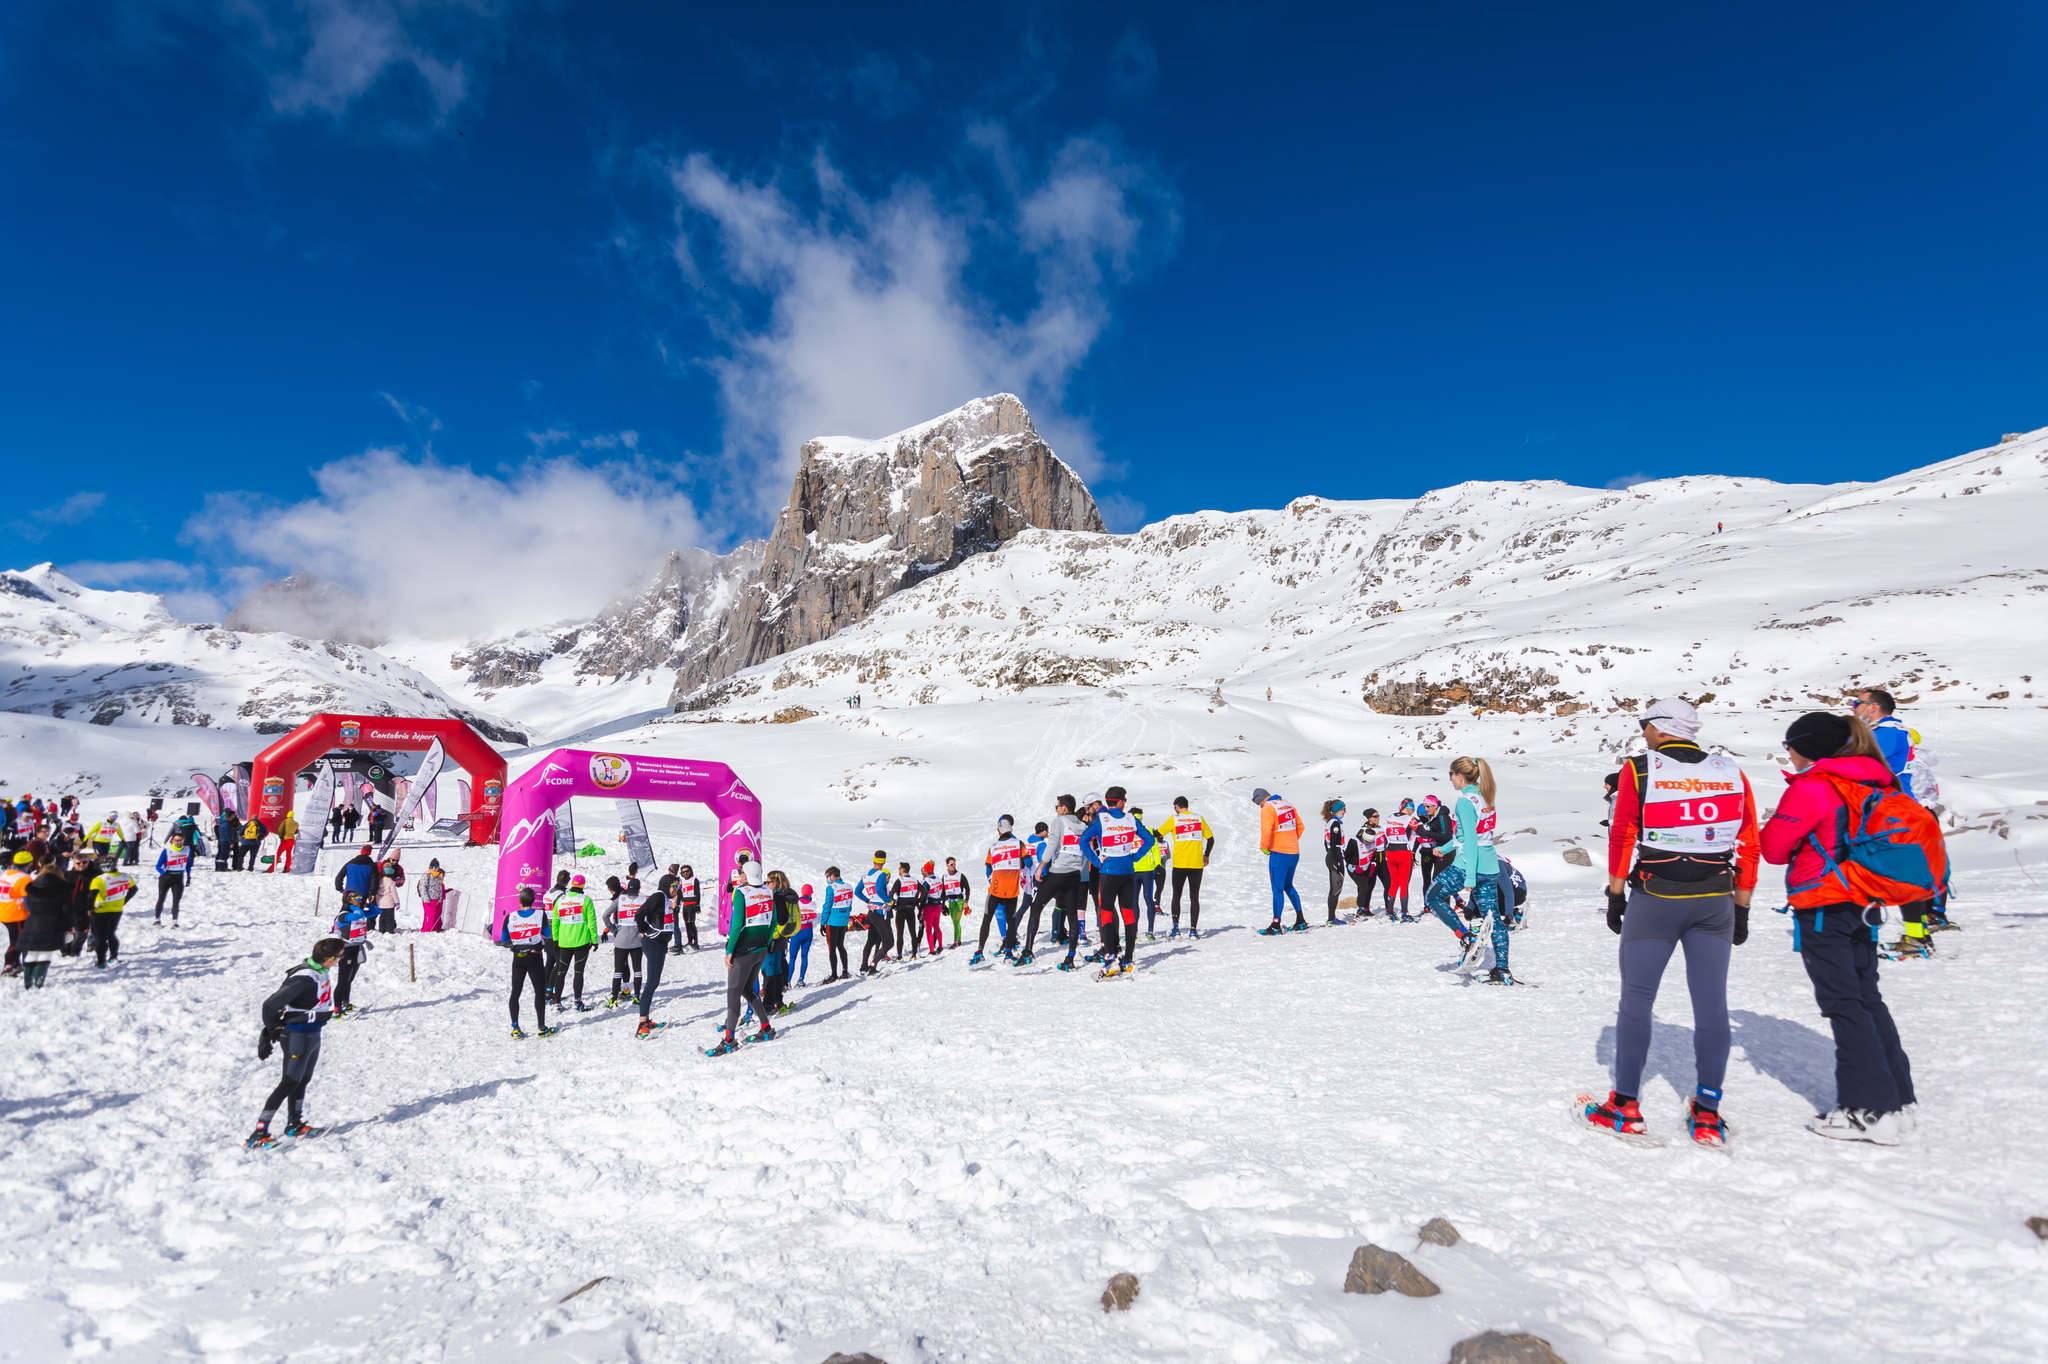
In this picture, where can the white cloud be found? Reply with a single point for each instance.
(40, 521)
(323, 56)
(129, 572)
(412, 414)
(439, 549)
(1628, 480)
(854, 315)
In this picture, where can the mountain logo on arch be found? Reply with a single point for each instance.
(609, 771)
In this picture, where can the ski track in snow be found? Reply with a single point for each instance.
(949, 1163)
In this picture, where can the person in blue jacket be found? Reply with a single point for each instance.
(1114, 842)
(872, 890)
(835, 913)
(352, 926)
(1874, 707)
(1476, 867)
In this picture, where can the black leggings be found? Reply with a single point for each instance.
(1363, 882)
(172, 885)
(1119, 907)
(1336, 886)
(351, 962)
(1062, 887)
(655, 949)
(564, 956)
(740, 986)
(1191, 877)
(689, 926)
(877, 945)
(988, 918)
(106, 937)
(301, 1054)
(530, 966)
(906, 930)
(835, 951)
(623, 958)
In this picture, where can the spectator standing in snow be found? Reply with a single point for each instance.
(131, 839)
(227, 850)
(351, 820)
(357, 879)
(14, 880)
(433, 892)
(390, 882)
(48, 918)
(1874, 1096)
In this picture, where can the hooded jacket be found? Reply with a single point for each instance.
(1811, 808)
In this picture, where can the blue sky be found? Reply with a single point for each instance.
(289, 279)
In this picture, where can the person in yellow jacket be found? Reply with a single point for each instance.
(106, 836)
(287, 835)
(111, 891)
(14, 879)
(1189, 841)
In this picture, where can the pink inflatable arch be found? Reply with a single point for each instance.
(526, 838)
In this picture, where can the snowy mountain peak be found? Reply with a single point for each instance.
(966, 433)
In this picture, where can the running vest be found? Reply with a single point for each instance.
(323, 1003)
(1187, 826)
(1483, 834)
(1285, 820)
(759, 905)
(1120, 836)
(953, 886)
(1005, 854)
(689, 896)
(908, 893)
(1692, 808)
(1366, 840)
(524, 929)
(112, 894)
(1397, 834)
(353, 928)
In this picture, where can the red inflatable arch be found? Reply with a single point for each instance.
(278, 766)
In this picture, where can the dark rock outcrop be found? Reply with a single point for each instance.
(1492, 1347)
(1375, 1269)
(1121, 1293)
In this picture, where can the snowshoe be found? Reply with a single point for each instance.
(259, 1140)
(519, 1034)
(583, 1008)
(648, 1027)
(781, 1009)
(1092, 958)
(1498, 976)
(1066, 965)
(1858, 1124)
(1171, 936)
(1907, 947)
(1472, 948)
(299, 1131)
(1109, 972)
(1298, 926)
(1151, 936)
(1624, 1117)
(726, 1045)
(1272, 931)
(548, 1032)
(1705, 1125)
(767, 1034)
(1024, 959)
(976, 959)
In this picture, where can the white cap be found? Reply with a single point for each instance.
(754, 873)
(1677, 718)
(1092, 798)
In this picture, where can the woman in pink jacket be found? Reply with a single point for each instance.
(1873, 1079)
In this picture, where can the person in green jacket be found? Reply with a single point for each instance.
(572, 927)
(754, 911)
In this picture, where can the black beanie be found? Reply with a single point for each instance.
(1817, 735)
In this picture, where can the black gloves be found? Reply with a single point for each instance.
(1617, 905)
(266, 1040)
(1741, 924)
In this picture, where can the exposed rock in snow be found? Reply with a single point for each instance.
(1375, 1269)
(310, 607)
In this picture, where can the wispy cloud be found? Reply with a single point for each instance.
(440, 549)
(839, 312)
(151, 573)
(1628, 480)
(421, 59)
(412, 414)
(40, 521)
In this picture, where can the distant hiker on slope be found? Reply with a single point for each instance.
(1681, 866)
(1280, 841)
(1840, 784)
(293, 1017)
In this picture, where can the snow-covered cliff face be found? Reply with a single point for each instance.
(1521, 597)
(120, 658)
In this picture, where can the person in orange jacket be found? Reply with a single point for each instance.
(14, 881)
(1280, 841)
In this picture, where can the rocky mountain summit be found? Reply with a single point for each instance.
(867, 519)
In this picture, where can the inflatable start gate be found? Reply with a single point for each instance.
(526, 852)
(277, 767)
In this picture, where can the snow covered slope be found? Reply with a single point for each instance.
(1532, 597)
(89, 659)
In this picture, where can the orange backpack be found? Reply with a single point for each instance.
(1889, 850)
